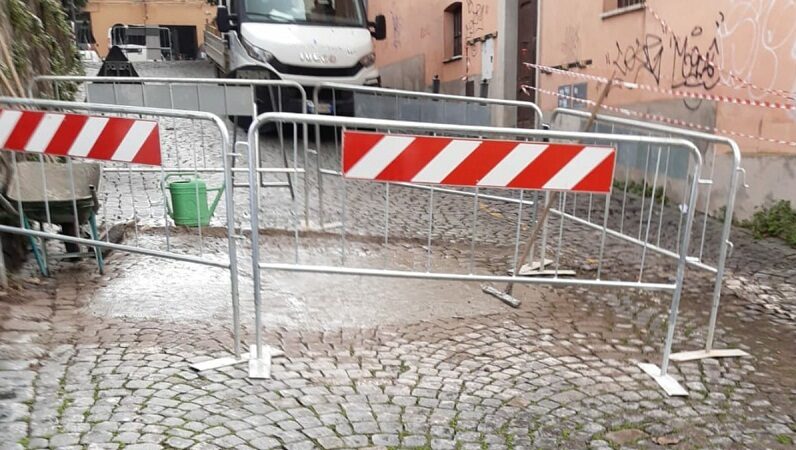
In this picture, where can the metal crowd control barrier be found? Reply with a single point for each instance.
(49, 190)
(458, 224)
(227, 98)
(698, 257)
(370, 102)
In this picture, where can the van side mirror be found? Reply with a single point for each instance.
(222, 19)
(379, 28)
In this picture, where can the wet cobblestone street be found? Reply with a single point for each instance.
(102, 361)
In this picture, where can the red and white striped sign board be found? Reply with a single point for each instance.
(81, 136)
(478, 163)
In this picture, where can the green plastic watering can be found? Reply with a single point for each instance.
(188, 204)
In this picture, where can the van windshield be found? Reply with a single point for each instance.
(322, 12)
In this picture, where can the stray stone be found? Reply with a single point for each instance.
(622, 437)
(666, 440)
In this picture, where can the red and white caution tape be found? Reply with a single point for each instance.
(477, 163)
(81, 136)
(672, 92)
(663, 119)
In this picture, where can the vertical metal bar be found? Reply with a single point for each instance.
(386, 219)
(707, 204)
(603, 234)
(295, 199)
(334, 112)
(46, 191)
(517, 234)
(202, 129)
(343, 218)
(70, 169)
(305, 142)
(199, 218)
(254, 208)
(430, 227)
(649, 216)
(174, 122)
(681, 266)
(232, 246)
(132, 200)
(725, 242)
(663, 200)
(624, 198)
(543, 250)
(475, 223)
(165, 209)
(319, 174)
(680, 218)
(588, 213)
(3, 271)
(560, 232)
(644, 192)
(574, 205)
(534, 213)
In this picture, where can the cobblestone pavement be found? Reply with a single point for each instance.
(90, 361)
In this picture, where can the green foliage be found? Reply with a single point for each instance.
(644, 190)
(777, 221)
(41, 40)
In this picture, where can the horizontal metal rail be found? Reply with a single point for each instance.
(201, 170)
(462, 277)
(145, 80)
(431, 95)
(112, 246)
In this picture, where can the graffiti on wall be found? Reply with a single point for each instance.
(474, 18)
(686, 60)
(476, 13)
(395, 19)
(756, 34)
(751, 45)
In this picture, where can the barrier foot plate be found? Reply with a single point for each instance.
(667, 382)
(261, 368)
(219, 363)
(502, 296)
(707, 354)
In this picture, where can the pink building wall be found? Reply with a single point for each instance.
(414, 50)
(754, 39)
(709, 47)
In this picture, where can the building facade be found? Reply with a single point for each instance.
(731, 49)
(185, 20)
(454, 41)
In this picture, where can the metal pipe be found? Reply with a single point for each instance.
(679, 278)
(112, 246)
(430, 95)
(464, 277)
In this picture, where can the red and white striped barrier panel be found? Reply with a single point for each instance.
(478, 163)
(81, 136)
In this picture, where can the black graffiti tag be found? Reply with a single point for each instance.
(644, 55)
(694, 66)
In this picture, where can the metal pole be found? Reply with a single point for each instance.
(667, 349)
(725, 242)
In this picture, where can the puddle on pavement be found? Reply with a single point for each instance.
(147, 288)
